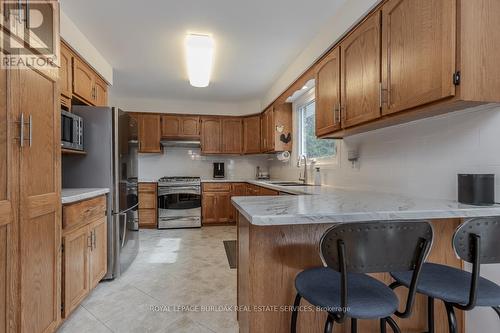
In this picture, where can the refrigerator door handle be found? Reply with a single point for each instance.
(124, 214)
(129, 209)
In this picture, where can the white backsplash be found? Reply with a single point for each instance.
(421, 158)
(189, 162)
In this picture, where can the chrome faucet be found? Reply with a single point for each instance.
(304, 177)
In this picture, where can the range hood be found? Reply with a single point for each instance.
(180, 143)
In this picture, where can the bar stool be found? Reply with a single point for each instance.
(476, 241)
(348, 251)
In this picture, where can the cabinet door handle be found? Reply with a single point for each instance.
(6, 12)
(337, 113)
(20, 9)
(382, 92)
(30, 130)
(93, 240)
(89, 241)
(21, 135)
(27, 15)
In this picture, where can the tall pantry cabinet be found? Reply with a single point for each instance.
(30, 200)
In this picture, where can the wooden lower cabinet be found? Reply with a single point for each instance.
(98, 261)
(217, 207)
(148, 205)
(267, 191)
(75, 269)
(84, 255)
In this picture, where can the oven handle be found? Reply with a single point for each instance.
(178, 190)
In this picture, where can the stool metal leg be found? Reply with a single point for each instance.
(393, 325)
(497, 310)
(430, 315)
(383, 325)
(329, 324)
(295, 313)
(452, 319)
(354, 325)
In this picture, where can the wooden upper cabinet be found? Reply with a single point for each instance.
(100, 92)
(88, 86)
(232, 136)
(418, 52)
(66, 72)
(190, 127)
(83, 80)
(180, 127)
(251, 135)
(211, 135)
(170, 126)
(282, 128)
(276, 128)
(149, 133)
(328, 94)
(360, 73)
(267, 128)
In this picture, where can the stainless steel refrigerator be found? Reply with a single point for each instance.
(110, 162)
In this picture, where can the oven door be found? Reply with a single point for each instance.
(179, 207)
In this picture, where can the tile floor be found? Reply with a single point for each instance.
(184, 267)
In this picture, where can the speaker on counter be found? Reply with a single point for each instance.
(476, 189)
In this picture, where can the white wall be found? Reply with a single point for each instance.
(133, 104)
(187, 162)
(347, 16)
(79, 43)
(422, 159)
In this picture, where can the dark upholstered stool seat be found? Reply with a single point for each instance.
(367, 298)
(451, 285)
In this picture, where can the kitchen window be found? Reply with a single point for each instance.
(323, 151)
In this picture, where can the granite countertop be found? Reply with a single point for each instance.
(70, 195)
(327, 204)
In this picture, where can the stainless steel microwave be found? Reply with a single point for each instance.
(71, 131)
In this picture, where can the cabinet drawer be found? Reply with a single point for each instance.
(147, 187)
(83, 212)
(217, 187)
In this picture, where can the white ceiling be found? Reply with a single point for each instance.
(144, 42)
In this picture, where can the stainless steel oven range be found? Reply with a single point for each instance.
(179, 202)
